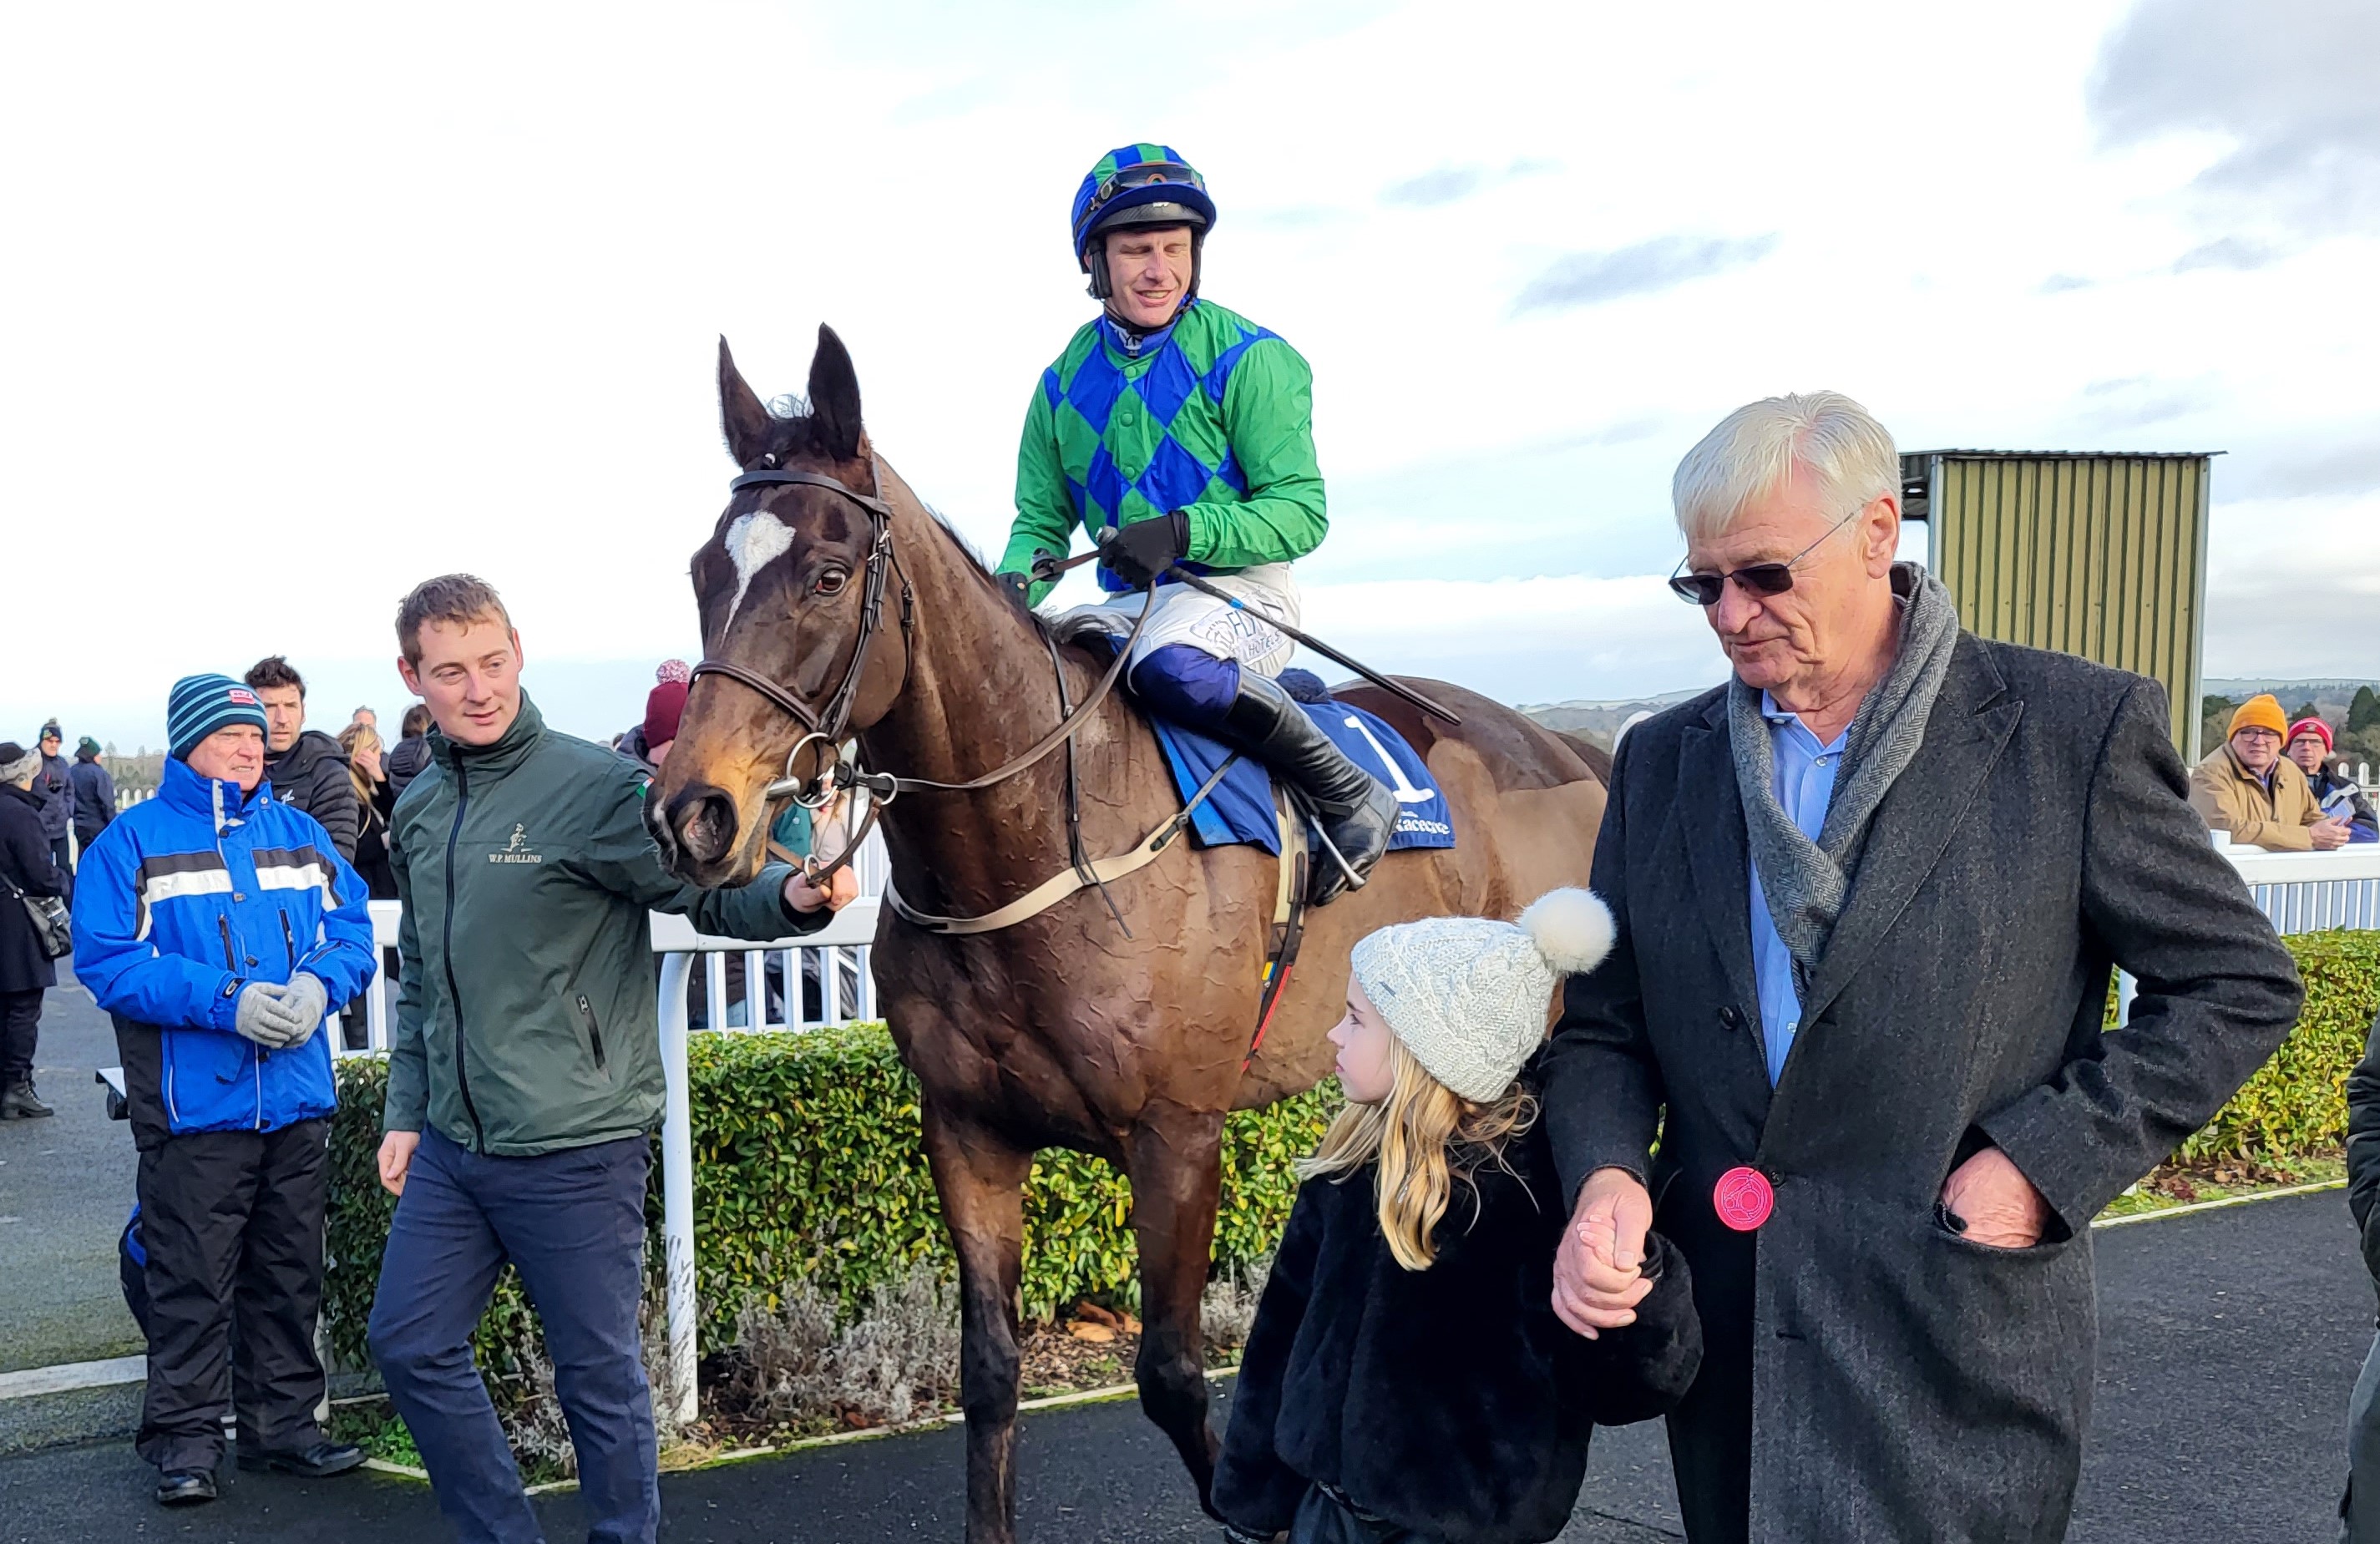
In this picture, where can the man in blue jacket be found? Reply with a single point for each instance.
(219, 927)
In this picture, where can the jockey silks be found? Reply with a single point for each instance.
(1216, 420)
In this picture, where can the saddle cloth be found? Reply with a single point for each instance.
(1241, 809)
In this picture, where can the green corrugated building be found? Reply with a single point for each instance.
(2100, 555)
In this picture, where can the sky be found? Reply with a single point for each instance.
(308, 303)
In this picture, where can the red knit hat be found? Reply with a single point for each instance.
(2310, 726)
(663, 706)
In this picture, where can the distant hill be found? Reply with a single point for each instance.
(2331, 697)
(1600, 720)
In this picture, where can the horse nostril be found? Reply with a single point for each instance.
(705, 821)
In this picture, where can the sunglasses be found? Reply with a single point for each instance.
(1759, 578)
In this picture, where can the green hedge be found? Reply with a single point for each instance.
(808, 1165)
(2297, 1102)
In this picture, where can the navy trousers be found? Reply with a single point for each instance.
(572, 1224)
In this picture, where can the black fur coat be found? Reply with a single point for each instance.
(1450, 1401)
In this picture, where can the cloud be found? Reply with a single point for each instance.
(2139, 401)
(1445, 185)
(1647, 268)
(2344, 463)
(2231, 252)
(2289, 82)
(2059, 284)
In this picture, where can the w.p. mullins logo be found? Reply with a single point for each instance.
(518, 850)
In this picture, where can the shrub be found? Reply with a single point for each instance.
(2297, 1102)
(809, 1169)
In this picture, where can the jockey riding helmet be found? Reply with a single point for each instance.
(1139, 185)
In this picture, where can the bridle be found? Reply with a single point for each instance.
(829, 725)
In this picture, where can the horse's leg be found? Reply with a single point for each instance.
(981, 1181)
(1176, 1177)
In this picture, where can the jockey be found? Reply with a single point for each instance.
(1188, 432)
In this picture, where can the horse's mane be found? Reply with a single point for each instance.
(793, 434)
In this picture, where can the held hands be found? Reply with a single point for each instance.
(2000, 1206)
(397, 1159)
(1599, 1269)
(281, 1017)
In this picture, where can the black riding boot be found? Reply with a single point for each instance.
(1357, 812)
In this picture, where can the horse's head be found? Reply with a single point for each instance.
(782, 591)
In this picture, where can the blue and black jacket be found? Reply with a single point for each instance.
(182, 902)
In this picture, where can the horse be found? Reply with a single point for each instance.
(833, 605)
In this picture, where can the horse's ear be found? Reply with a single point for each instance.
(745, 421)
(834, 397)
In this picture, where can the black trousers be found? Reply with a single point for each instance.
(62, 854)
(233, 1221)
(20, 1027)
(1326, 1518)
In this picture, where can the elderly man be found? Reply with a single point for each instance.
(1869, 893)
(2248, 789)
(54, 786)
(2339, 795)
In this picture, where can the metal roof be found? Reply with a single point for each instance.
(2064, 454)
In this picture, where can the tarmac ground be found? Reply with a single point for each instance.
(2229, 1339)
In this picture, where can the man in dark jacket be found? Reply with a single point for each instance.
(26, 972)
(94, 794)
(55, 786)
(2359, 1510)
(525, 1069)
(219, 931)
(306, 767)
(410, 756)
(1868, 894)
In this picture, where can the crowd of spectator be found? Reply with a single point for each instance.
(2278, 785)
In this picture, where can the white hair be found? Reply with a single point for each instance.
(1837, 444)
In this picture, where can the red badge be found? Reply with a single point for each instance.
(1745, 1199)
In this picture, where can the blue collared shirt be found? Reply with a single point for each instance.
(1805, 785)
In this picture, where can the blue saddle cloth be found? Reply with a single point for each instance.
(1240, 810)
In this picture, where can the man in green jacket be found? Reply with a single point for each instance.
(1175, 431)
(525, 1070)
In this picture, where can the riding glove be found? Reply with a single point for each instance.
(1018, 586)
(260, 1016)
(1141, 552)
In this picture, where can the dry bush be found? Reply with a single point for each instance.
(1228, 1309)
(896, 1358)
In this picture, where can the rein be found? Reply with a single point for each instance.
(830, 727)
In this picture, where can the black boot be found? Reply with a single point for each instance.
(1357, 812)
(20, 1103)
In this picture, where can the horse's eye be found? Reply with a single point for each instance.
(831, 581)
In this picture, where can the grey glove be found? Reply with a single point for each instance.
(261, 1017)
(300, 1008)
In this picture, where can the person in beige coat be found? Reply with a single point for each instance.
(2248, 789)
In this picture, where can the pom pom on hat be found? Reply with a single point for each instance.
(1469, 996)
(673, 670)
(1572, 929)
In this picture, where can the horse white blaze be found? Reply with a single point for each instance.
(753, 541)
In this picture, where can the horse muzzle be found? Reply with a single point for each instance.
(698, 833)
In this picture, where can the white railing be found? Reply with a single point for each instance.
(777, 974)
(2305, 892)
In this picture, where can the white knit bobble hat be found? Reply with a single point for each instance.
(1468, 997)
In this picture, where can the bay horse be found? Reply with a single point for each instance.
(833, 602)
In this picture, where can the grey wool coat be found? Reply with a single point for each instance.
(1868, 1374)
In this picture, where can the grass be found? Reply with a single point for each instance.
(2176, 1184)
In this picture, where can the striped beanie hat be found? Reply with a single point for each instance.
(198, 705)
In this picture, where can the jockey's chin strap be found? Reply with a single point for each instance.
(828, 726)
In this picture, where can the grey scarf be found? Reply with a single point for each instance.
(1805, 881)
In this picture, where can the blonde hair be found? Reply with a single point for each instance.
(350, 737)
(1425, 1137)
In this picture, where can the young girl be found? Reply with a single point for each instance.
(1406, 1379)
